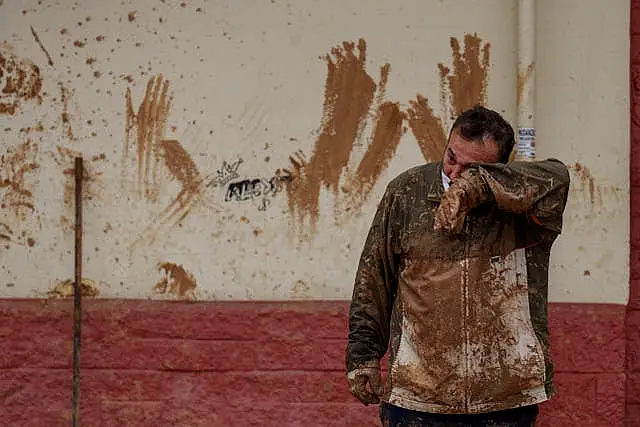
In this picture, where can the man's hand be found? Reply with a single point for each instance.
(365, 383)
(465, 193)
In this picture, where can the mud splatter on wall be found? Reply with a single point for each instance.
(523, 79)
(386, 137)
(65, 289)
(461, 87)
(349, 94)
(135, 79)
(175, 281)
(64, 115)
(182, 169)
(20, 81)
(157, 160)
(144, 130)
(592, 194)
(348, 98)
(18, 179)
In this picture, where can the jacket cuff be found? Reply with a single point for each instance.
(371, 364)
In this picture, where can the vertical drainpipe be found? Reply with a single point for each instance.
(526, 133)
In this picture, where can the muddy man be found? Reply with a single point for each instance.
(453, 282)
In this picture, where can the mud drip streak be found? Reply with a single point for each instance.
(465, 316)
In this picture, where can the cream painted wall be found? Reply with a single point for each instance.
(582, 116)
(248, 83)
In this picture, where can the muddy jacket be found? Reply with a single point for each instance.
(464, 316)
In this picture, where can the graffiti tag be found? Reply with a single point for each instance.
(227, 173)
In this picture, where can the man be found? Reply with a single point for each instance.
(453, 281)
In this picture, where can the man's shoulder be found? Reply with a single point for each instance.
(420, 175)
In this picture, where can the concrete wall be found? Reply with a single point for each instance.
(220, 145)
(582, 118)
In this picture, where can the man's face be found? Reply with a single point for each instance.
(460, 154)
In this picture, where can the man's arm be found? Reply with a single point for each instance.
(537, 190)
(371, 304)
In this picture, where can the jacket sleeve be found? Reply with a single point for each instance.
(373, 292)
(536, 189)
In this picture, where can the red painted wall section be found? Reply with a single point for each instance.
(633, 309)
(147, 363)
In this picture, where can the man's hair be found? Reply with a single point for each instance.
(479, 123)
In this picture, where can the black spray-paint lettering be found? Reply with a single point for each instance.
(251, 189)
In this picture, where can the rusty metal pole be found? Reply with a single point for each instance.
(77, 308)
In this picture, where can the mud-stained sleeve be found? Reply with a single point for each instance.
(537, 189)
(373, 291)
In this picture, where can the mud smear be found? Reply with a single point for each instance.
(144, 130)
(18, 180)
(461, 87)
(467, 84)
(20, 81)
(427, 128)
(157, 161)
(182, 169)
(64, 116)
(349, 93)
(384, 144)
(348, 98)
(176, 281)
(65, 289)
(523, 79)
(386, 138)
(593, 194)
(300, 290)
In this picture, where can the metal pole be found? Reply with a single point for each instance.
(77, 309)
(526, 142)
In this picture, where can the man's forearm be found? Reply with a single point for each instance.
(536, 189)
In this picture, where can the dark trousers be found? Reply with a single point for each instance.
(394, 416)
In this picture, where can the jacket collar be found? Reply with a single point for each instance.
(436, 189)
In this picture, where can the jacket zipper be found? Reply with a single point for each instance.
(465, 313)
